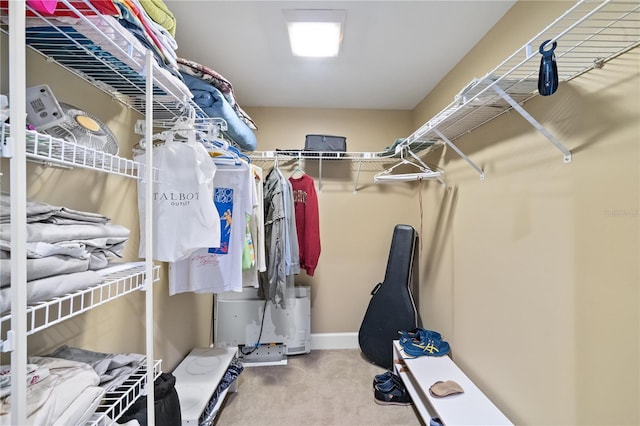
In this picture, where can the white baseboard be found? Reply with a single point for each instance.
(334, 341)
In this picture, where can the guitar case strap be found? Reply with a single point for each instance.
(392, 307)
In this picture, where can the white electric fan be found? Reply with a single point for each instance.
(67, 122)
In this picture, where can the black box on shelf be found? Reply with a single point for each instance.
(325, 143)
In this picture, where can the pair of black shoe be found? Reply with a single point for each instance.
(388, 389)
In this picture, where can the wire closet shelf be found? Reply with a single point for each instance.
(588, 35)
(131, 277)
(95, 48)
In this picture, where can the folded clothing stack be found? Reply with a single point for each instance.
(65, 249)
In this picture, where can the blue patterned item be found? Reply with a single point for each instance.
(548, 77)
(72, 49)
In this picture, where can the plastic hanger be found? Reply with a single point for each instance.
(298, 172)
(424, 173)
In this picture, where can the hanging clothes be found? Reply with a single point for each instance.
(281, 240)
(182, 195)
(307, 219)
(219, 269)
(292, 252)
(256, 229)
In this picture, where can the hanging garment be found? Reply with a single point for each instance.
(256, 227)
(279, 244)
(307, 219)
(292, 254)
(183, 196)
(219, 269)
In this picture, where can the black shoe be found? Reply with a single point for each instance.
(397, 395)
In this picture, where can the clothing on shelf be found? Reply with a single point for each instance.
(64, 249)
(68, 395)
(112, 368)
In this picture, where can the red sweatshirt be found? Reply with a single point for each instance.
(305, 201)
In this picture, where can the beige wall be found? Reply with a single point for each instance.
(531, 274)
(356, 221)
(539, 266)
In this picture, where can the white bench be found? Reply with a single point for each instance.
(469, 408)
(197, 378)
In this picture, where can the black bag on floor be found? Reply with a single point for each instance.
(392, 307)
(167, 404)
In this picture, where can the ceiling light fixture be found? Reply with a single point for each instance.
(315, 32)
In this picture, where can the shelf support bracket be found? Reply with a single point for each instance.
(320, 173)
(533, 121)
(460, 153)
(355, 186)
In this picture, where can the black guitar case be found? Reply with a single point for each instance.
(392, 307)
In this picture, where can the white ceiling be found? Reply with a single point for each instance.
(393, 53)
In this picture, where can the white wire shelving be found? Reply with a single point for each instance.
(588, 35)
(360, 161)
(51, 151)
(116, 403)
(97, 49)
(41, 315)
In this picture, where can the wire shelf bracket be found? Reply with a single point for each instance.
(589, 34)
(533, 122)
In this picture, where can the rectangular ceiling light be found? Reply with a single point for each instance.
(315, 32)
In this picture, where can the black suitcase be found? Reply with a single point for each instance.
(392, 307)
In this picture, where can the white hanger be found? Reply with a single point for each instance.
(424, 173)
(298, 170)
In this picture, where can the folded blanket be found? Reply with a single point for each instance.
(37, 250)
(218, 81)
(113, 368)
(83, 407)
(214, 104)
(50, 398)
(51, 233)
(43, 212)
(47, 288)
(44, 267)
(160, 13)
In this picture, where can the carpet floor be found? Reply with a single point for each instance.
(322, 388)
